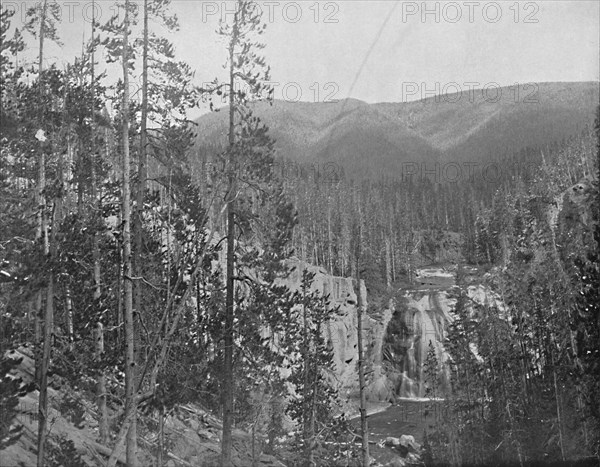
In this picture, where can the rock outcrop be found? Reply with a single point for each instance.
(396, 339)
(192, 434)
(342, 332)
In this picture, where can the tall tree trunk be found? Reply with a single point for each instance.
(364, 429)
(307, 406)
(101, 384)
(101, 387)
(69, 305)
(140, 195)
(228, 389)
(43, 362)
(388, 262)
(37, 331)
(42, 231)
(161, 436)
(312, 419)
(329, 238)
(48, 336)
(557, 400)
(130, 369)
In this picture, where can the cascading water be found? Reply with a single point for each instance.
(418, 325)
(421, 320)
(396, 339)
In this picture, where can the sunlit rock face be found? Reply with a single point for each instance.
(342, 332)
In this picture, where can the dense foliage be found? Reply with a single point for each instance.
(63, 258)
(525, 378)
(525, 375)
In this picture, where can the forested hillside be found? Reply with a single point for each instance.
(152, 267)
(358, 140)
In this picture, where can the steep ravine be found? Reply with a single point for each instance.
(397, 340)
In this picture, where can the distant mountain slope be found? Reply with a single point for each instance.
(471, 126)
(370, 143)
(374, 139)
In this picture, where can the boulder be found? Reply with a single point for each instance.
(406, 445)
(391, 441)
(408, 442)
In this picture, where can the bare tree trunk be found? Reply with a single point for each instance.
(69, 304)
(393, 238)
(308, 413)
(161, 436)
(388, 263)
(364, 429)
(101, 384)
(140, 195)
(37, 331)
(101, 387)
(42, 363)
(302, 246)
(228, 389)
(43, 399)
(130, 370)
(558, 411)
(42, 230)
(329, 238)
(311, 439)
(115, 455)
(120, 284)
(46, 355)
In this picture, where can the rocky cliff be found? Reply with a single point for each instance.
(397, 338)
(342, 331)
(191, 433)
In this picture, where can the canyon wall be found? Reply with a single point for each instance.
(342, 331)
(396, 339)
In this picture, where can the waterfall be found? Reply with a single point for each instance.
(421, 319)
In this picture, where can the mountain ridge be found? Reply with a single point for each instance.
(371, 140)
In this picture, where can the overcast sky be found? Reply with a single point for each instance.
(386, 50)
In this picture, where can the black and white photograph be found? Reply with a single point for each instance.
(310, 233)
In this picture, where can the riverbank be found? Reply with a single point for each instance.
(353, 411)
(405, 417)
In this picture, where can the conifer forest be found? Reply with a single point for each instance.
(217, 272)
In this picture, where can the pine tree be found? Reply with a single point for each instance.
(246, 136)
(45, 20)
(311, 362)
(364, 428)
(130, 364)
